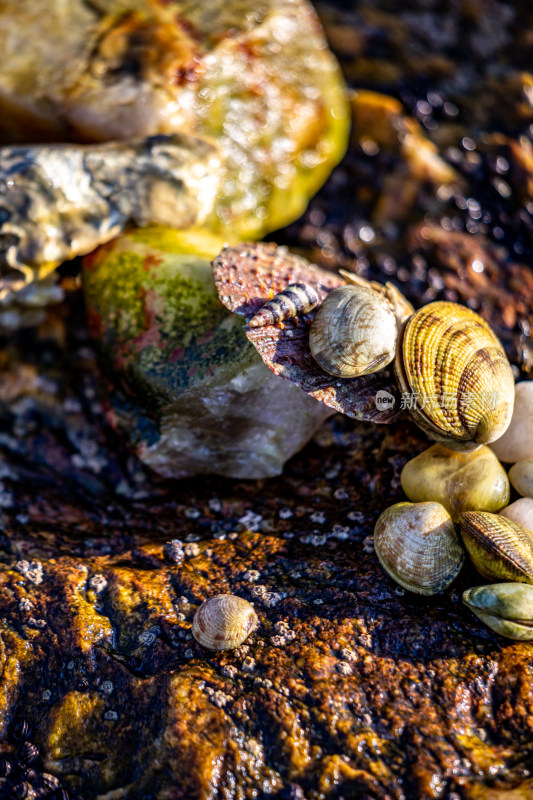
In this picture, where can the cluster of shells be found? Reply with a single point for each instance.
(460, 391)
(453, 369)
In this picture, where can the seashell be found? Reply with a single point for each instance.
(224, 622)
(506, 608)
(455, 376)
(60, 201)
(296, 300)
(401, 306)
(173, 551)
(461, 481)
(354, 332)
(50, 781)
(521, 477)
(520, 511)
(418, 546)
(499, 548)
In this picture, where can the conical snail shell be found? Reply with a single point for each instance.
(499, 548)
(296, 299)
(418, 546)
(353, 332)
(454, 369)
(224, 622)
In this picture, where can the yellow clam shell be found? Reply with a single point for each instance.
(224, 622)
(499, 548)
(455, 375)
(418, 546)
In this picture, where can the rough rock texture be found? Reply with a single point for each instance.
(186, 388)
(349, 688)
(257, 76)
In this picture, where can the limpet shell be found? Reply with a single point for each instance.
(224, 622)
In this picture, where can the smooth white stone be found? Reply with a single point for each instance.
(520, 511)
(521, 476)
(516, 444)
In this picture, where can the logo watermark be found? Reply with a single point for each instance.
(447, 401)
(384, 400)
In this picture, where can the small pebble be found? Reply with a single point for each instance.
(520, 511)
(516, 444)
(521, 476)
(469, 481)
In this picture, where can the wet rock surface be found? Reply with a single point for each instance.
(349, 687)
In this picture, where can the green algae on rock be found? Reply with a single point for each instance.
(197, 398)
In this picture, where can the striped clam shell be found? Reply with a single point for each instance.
(418, 546)
(296, 300)
(354, 332)
(454, 371)
(224, 622)
(499, 548)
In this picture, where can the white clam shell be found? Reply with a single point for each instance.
(418, 546)
(224, 622)
(354, 332)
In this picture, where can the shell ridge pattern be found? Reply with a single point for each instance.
(496, 542)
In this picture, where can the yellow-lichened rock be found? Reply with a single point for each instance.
(460, 481)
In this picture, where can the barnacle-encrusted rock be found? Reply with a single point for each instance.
(473, 481)
(353, 687)
(245, 277)
(199, 399)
